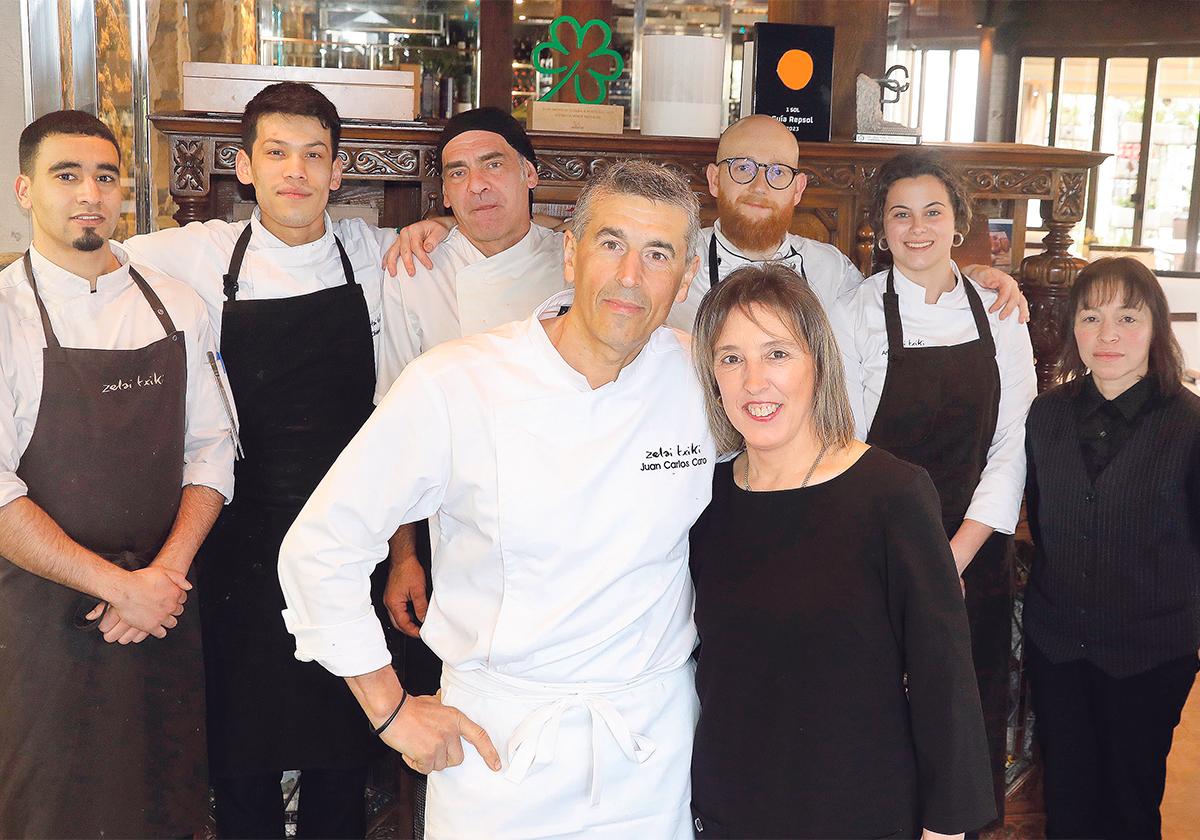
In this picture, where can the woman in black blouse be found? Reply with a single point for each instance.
(1112, 611)
(837, 693)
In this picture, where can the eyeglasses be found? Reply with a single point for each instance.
(743, 170)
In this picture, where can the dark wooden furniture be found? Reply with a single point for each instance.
(390, 172)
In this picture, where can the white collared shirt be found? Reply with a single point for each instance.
(114, 317)
(997, 498)
(198, 254)
(563, 510)
(463, 294)
(831, 275)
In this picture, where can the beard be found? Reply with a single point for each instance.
(751, 234)
(88, 241)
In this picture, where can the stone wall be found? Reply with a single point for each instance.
(14, 222)
(177, 31)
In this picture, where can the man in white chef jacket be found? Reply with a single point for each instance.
(565, 457)
(757, 182)
(494, 266)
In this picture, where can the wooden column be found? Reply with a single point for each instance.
(860, 46)
(496, 54)
(1046, 278)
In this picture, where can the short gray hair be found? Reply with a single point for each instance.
(778, 289)
(642, 179)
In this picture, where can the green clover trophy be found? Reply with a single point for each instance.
(589, 71)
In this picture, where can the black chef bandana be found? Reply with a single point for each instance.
(488, 119)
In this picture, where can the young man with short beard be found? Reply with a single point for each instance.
(115, 459)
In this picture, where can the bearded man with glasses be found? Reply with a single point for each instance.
(757, 183)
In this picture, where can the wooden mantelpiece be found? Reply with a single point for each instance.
(390, 168)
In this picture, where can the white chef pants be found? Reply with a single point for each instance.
(579, 760)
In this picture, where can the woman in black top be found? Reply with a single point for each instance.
(1112, 611)
(824, 586)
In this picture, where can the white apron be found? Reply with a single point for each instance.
(579, 760)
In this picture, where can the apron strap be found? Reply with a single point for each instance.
(155, 302)
(51, 338)
(239, 253)
(347, 268)
(891, 318)
(714, 276)
(148, 293)
(981, 319)
(235, 263)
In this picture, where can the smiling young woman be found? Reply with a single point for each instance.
(1112, 611)
(937, 380)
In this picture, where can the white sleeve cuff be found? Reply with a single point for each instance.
(210, 475)
(11, 488)
(348, 650)
(985, 513)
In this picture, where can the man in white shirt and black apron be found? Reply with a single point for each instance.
(565, 458)
(115, 459)
(295, 299)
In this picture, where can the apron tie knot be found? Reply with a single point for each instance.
(534, 740)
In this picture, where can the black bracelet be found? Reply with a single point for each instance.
(392, 716)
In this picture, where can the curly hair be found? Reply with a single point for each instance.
(914, 165)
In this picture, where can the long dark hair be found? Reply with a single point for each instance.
(1096, 285)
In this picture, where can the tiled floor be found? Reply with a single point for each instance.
(1181, 804)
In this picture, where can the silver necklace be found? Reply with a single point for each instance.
(807, 477)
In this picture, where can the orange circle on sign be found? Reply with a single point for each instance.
(795, 69)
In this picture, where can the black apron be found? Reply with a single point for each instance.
(938, 409)
(302, 371)
(714, 261)
(101, 739)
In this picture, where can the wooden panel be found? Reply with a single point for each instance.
(496, 54)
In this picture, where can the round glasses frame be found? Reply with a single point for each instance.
(743, 170)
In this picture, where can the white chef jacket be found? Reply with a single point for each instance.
(564, 512)
(997, 499)
(115, 317)
(831, 275)
(198, 254)
(463, 294)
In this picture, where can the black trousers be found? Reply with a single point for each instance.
(1104, 744)
(332, 805)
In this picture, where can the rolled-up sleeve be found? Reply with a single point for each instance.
(208, 441)
(394, 471)
(11, 487)
(996, 501)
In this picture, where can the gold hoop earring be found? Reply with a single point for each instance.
(961, 239)
(881, 244)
